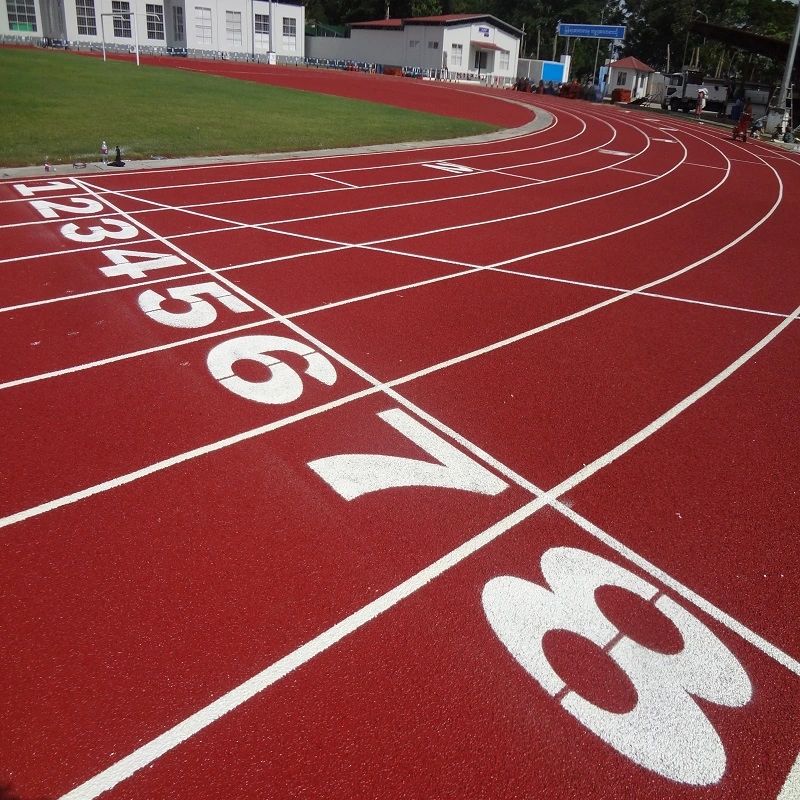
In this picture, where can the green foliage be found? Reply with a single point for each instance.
(60, 106)
(652, 25)
(425, 8)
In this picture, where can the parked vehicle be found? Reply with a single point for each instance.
(683, 88)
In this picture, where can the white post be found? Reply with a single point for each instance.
(135, 32)
(103, 34)
(271, 13)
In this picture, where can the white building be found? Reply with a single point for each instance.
(631, 74)
(464, 45)
(200, 27)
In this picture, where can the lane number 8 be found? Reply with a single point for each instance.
(667, 731)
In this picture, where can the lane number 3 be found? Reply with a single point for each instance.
(667, 731)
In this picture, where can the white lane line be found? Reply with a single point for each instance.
(614, 153)
(508, 174)
(791, 788)
(635, 172)
(706, 166)
(103, 362)
(269, 227)
(336, 246)
(69, 370)
(481, 351)
(162, 744)
(226, 703)
(191, 209)
(324, 178)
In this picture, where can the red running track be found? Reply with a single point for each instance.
(465, 471)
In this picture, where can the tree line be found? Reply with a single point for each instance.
(657, 30)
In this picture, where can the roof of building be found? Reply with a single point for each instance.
(631, 63)
(438, 20)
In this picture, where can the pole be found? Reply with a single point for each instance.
(103, 34)
(667, 58)
(597, 52)
(787, 73)
(132, 17)
(271, 25)
(538, 41)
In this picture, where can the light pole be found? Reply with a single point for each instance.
(597, 52)
(777, 114)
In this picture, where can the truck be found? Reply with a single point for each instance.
(683, 88)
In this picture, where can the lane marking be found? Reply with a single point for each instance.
(448, 166)
(614, 153)
(635, 172)
(791, 788)
(521, 513)
(324, 178)
(508, 174)
(151, 751)
(103, 362)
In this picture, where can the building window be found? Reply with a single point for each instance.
(433, 45)
(413, 43)
(87, 22)
(262, 31)
(202, 21)
(289, 33)
(233, 28)
(622, 78)
(177, 18)
(122, 24)
(504, 61)
(457, 55)
(155, 21)
(21, 15)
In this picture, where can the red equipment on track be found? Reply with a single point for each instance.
(741, 127)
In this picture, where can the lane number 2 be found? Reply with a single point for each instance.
(667, 731)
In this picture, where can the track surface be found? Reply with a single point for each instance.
(455, 472)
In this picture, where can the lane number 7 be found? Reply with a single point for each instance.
(361, 473)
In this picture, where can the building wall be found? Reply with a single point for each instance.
(428, 47)
(225, 26)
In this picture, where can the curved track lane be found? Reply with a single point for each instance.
(456, 471)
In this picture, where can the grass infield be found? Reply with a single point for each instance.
(59, 107)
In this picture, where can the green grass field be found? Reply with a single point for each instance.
(59, 106)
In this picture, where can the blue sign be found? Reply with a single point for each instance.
(592, 31)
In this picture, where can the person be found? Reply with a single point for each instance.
(701, 101)
(104, 152)
(736, 109)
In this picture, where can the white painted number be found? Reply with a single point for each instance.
(144, 261)
(200, 312)
(284, 384)
(791, 788)
(51, 186)
(124, 231)
(354, 475)
(666, 731)
(83, 205)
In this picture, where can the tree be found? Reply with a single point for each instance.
(425, 8)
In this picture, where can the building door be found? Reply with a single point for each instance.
(480, 60)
